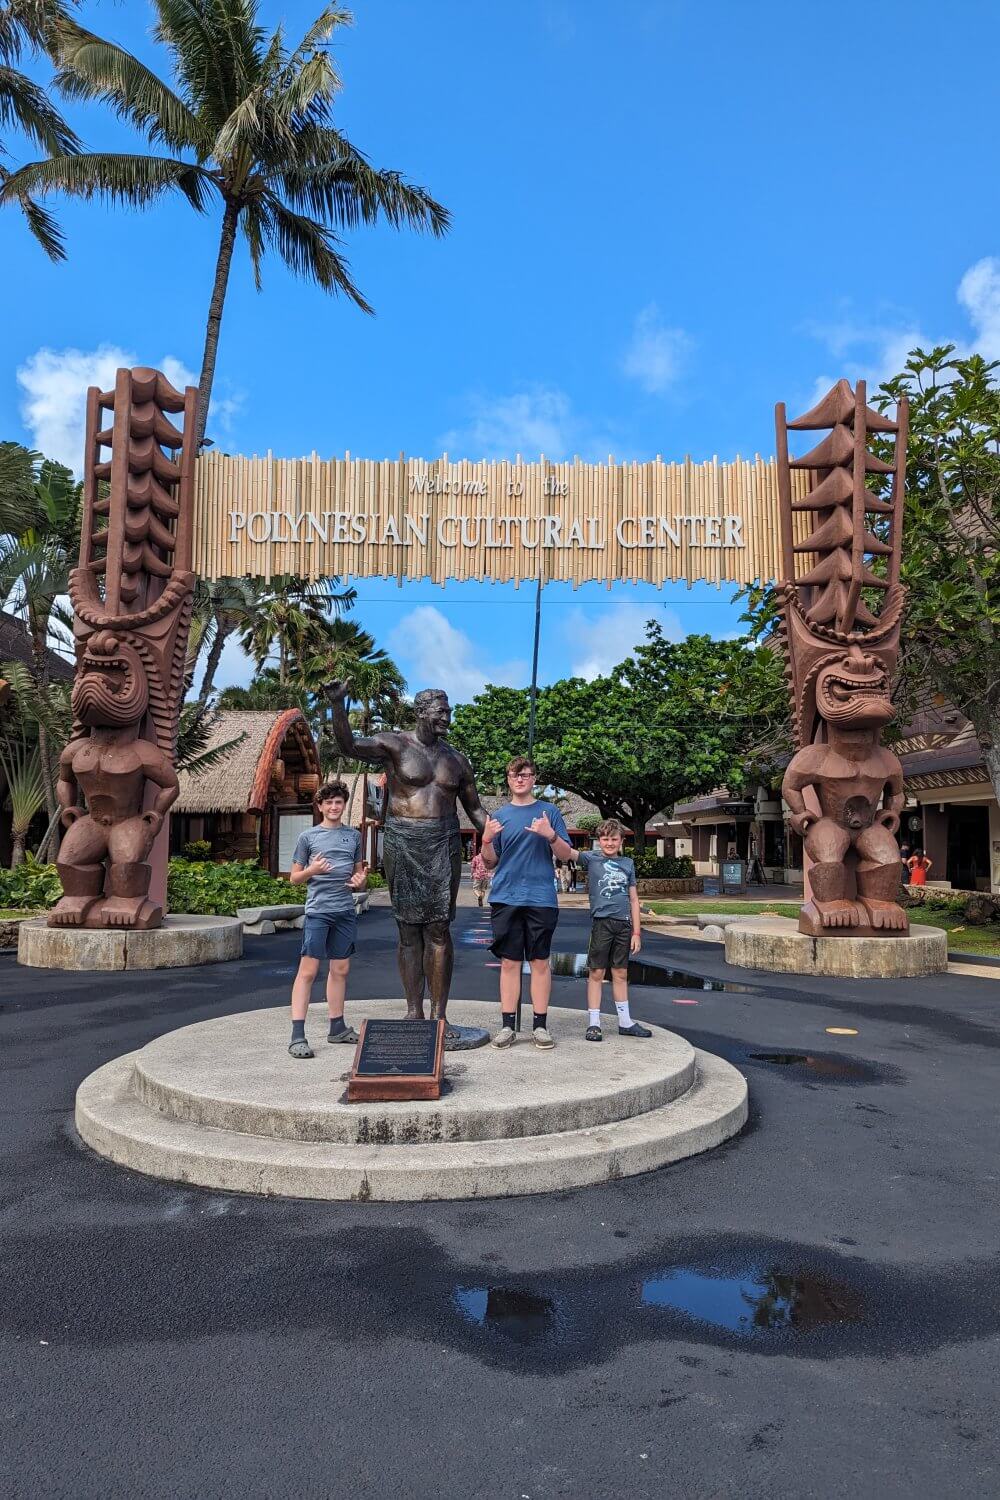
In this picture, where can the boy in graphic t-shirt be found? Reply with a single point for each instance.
(615, 931)
(329, 858)
(519, 844)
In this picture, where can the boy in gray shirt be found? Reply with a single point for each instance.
(615, 931)
(329, 858)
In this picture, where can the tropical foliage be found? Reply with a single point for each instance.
(247, 129)
(26, 107)
(672, 721)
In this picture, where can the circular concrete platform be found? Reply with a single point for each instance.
(776, 945)
(222, 1105)
(182, 940)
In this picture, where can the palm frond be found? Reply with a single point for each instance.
(307, 248)
(50, 708)
(320, 32)
(22, 769)
(194, 730)
(91, 68)
(17, 487)
(336, 181)
(216, 47)
(120, 177)
(26, 107)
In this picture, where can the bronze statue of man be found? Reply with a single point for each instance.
(422, 851)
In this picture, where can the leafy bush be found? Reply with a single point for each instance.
(660, 867)
(589, 822)
(30, 887)
(207, 890)
(198, 849)
(375, 881)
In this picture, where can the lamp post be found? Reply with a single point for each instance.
(534, 666)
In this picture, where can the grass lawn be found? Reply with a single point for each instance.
(962, 938)
(7, 912)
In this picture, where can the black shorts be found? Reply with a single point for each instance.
(523, 931)
(610, 939)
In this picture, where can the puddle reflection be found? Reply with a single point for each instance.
(755, 1302)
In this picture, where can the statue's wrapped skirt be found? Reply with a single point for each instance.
(423, 865)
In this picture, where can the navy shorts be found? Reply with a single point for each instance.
(329, 936)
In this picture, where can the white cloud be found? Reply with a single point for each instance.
(655, 352)
(433, 653)
(55, 381)
(877, 351)
(538, 420)
(599, 640)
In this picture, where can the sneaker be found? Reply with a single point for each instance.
(634, 1030)
(505, 1037)
(347, 1035)
(541, 1037)
(594, 1034)
(300, 1049)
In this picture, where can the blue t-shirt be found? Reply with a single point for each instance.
(609, 879)
(329, 895)
(525, 875)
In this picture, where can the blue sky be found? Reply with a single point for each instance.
(667, 216)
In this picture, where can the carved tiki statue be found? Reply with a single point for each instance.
(840, 629)
(132, 595)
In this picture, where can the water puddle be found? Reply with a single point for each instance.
(521, 1316)
(755, 1302)
(824, 1066)
(574, 966)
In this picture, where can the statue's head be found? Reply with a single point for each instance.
(432, 708)
(852, 691)
(110, 690)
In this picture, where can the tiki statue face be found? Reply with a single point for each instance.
(853, 691)
(110, 690)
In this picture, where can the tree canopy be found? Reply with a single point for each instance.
(672, 721)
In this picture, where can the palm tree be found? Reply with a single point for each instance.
(374, 682)
(25, 26)
(22, 771)
(250, 125)
(292, 614)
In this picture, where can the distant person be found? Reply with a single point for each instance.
(918, 865)
(481, 877)
(904, 855)
(572, 874)
(328, 857)
(615, 930)
(520, 842)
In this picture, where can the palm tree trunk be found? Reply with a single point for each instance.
(227, 242)
(17, 852)
(39, 646)
(214, 657)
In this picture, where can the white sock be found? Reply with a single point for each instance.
(624, 1018)
(594, 1017)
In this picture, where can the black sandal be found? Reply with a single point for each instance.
(594, 1034)
(300, 1048)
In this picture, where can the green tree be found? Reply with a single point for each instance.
(25, 106)
(250, 127)
(951, 539)
(672, 721)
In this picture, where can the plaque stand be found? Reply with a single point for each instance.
(397, 1060)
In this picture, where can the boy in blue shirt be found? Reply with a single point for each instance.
(328, 857)
(520, 842)
(615, 929)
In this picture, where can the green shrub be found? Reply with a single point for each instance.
(661, 867)
(589, 822)
(375, 881)
(198, 849)
(207, 890)
(30, 887)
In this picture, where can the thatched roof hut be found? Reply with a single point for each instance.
(255, 802)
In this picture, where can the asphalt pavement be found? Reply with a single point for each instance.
(810, 1310)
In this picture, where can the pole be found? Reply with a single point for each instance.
(531, 738)
(534, 666)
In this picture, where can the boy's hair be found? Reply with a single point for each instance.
(520, 763)
(332, 789)
(612, 826)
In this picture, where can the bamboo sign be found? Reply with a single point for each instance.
(506, 522)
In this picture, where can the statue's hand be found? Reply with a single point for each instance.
(153, 820)
(69, 815)
(802, 822)
(889, 820)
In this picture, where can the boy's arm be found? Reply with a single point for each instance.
(633, 901)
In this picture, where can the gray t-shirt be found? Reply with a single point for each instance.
(608, 883)
(327, 895)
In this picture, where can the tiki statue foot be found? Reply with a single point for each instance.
(885, 916)
(71, 911)
(819, 917)
(130, 911)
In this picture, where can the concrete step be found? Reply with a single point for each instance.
(112, 1120)
(234, 1073)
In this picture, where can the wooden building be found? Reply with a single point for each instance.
(256, 802)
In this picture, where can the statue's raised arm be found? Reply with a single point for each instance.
(374, 748)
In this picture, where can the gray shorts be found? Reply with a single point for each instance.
(329, 936)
